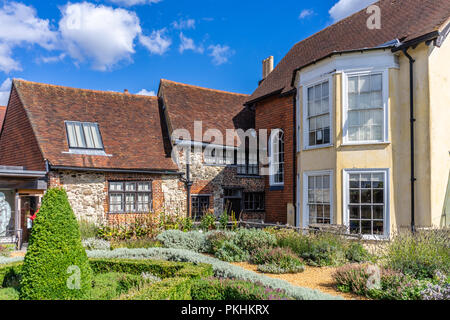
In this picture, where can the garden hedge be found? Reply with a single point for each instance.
(162, 269)
(56, 266)
(167, 289)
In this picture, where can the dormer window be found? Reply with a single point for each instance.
(84, 135)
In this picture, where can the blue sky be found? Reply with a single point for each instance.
(131, 44)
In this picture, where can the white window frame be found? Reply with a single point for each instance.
(306, 86)
(273, 134)
(306, 176)
(387, 192)
(385, 87)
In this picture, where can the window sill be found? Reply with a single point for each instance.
(128, 213)
(365, 143)
(322, 146)
(276, 188)
(242, 176)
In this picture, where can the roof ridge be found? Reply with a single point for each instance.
(203, 88)
(81, 89)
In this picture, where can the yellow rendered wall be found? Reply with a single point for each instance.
(394, 155)
(439, 74)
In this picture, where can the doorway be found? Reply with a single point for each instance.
(233, 201)
(28, 206)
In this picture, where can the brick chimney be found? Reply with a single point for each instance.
(267, 66)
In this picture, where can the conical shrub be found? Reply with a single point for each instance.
(56, 266)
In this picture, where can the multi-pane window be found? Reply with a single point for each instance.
(365, 108)
(319, 199)
(318, 114)
(247, 163)
(367, 203)
(200, 204)
(84, 135)
(130, 197)
(277, 158)
(254, 201)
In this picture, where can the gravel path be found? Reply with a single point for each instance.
(314, 278)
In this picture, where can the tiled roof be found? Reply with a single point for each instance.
(400, 19)
(216, 109)
(2, 116)
(129, 124)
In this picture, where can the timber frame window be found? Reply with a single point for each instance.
(276, 150)
(317, 111)
(254, 201)
(130, 197)
(318, 198)
(83, 135)
(200, 204)
(365, 111)
(366, 202)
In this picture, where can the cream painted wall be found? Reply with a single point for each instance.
(432, 141)
(439, 74)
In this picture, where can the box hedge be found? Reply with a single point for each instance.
(162, 269)
(167, 289)
(56, 266)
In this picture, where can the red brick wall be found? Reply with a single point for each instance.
(278, 113)
(18, 145)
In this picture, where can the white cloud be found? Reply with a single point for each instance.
(103, 34)
(51, 59)
(156, 43)
(220, 54)
(188, 44)
(184, 24)
(130, 3)
(5, 88)
(345, 8)
(20, 26)
(305, 13)
(145, 92)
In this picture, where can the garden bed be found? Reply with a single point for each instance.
(317, 278)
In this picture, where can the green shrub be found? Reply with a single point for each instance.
(231, 252)
(216, 239)
(108, 286)
(9, 294)
(277, 261)
(88, 229)
(232, 290)
(208, 222)
(136, 244)
(177, 239)
(55, 258)
(167, 289)
(392, 285)
(223, 220)
(315, 249)
(251, 239)
(355, 252)
(162, 269)
(420, 255)
(10, 275)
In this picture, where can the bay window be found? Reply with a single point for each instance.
(366, 202)
(365, 108)
(318, 196)
(318, 115)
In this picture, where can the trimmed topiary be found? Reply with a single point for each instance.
(56, 266)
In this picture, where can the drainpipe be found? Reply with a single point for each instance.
(412, 120)
(188, 183)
